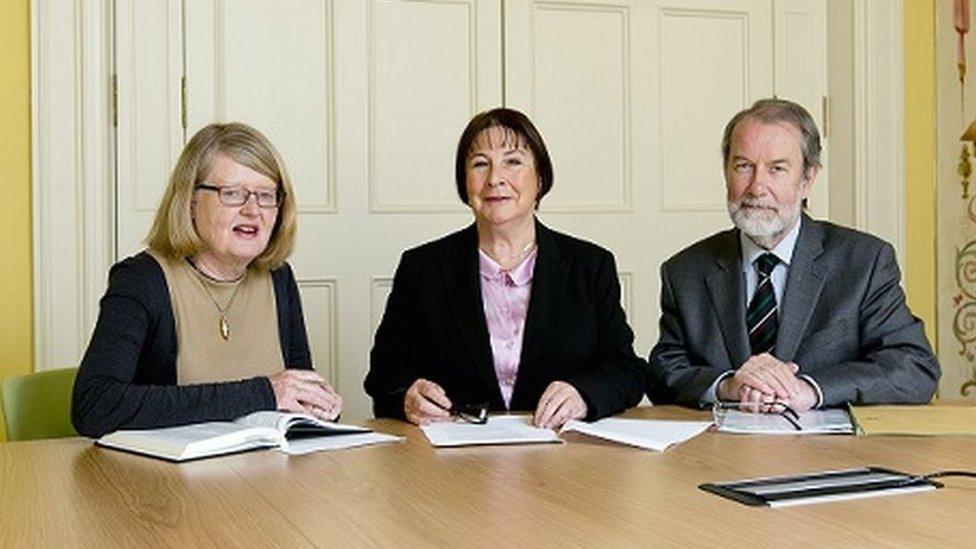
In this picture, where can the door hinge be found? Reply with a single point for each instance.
(183, 102)
(824, 106)
(115, 100)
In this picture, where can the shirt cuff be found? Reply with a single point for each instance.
(710, 396)
(816, 389)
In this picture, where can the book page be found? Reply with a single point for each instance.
(285, 421)
(192, 441)
(650, 434)
(499, 430)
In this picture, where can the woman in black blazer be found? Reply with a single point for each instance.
(506, 313)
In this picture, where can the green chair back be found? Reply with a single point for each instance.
(38, 405)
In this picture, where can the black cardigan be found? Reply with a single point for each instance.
(127, 379)
(575, 330)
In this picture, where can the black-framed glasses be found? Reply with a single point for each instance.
(238, 196)
(781, 408)
(471, 413)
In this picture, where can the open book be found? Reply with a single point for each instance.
(290, 433)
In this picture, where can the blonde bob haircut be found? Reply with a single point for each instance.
(173, 233)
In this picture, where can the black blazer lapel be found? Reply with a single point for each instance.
(726, 291)
(463, 285)
(803, 286)
(547, 284)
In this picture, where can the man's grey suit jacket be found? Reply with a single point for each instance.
(843, 320)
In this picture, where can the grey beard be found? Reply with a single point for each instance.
(765, 227)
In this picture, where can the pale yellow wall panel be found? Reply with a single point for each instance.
(920, 162)
(15, 219)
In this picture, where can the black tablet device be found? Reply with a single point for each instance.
(820, 487)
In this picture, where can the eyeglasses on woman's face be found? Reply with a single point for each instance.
(238, 196)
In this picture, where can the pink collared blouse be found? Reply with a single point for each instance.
(505, 295)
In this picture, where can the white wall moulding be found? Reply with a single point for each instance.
(879, 186)
(701, 89)
(319, 300)
(286, 90)
(800, 74)
(73, 222)
(380, 288)
(149, 133)
(406, 173)
(583, 107)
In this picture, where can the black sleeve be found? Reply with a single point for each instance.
(616, 381)
(291, 321)
(391, 366)
(106, 399)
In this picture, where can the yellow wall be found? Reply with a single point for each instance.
(920, 167)
(16, 332)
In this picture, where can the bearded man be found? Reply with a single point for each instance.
(783, 309)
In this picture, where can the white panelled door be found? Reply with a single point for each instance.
(366, 101)
(149, 134)
(801, 75)
(632, 97)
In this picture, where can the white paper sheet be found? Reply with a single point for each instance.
(814, 422)
(499, 430)
(650, 434)
(336, 442)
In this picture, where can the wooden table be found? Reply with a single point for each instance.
(582, 493)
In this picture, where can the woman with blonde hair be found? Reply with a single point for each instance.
(206, 324)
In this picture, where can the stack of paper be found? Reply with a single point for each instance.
(650, 434)
(812, 422)
(499, 430)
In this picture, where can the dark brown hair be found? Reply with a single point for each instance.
(519, 128)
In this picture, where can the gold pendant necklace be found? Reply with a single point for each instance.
(223, 324)
(224, 328)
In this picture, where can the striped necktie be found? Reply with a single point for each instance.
(761, 318)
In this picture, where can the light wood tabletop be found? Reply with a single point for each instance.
(585, 492)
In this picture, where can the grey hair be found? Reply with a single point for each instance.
(771, 111)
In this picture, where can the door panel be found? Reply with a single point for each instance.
(801, 74)
(148, 67)
(270, 65)
(422, 85)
